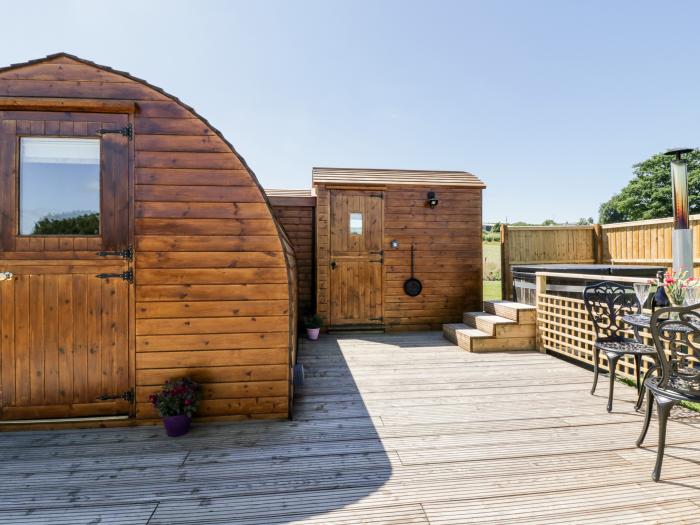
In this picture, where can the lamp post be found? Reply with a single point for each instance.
(682, 234)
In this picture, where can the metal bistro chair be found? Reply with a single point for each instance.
(606, 303)
(678, 377)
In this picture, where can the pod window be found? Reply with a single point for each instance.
(59, 186)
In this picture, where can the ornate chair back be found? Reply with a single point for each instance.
(606, 302)
(682, 337)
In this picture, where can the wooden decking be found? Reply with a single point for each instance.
(395, 429)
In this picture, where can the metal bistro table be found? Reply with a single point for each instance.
(643, 321)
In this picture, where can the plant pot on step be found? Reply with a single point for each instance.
(312, 333)
(177, 425)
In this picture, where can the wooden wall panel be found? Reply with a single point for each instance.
(299, 224)
(447, 241)
(212, 282)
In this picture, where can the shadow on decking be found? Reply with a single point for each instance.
(330, 456)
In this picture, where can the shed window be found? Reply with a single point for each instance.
(355, 224)
(59, 186)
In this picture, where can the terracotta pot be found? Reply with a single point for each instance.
(177, 425)
(312, 333)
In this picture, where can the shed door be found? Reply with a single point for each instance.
(356, 273)
(64, 197)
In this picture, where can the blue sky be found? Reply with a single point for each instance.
(549, 102)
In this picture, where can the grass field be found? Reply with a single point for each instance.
(492, 265)
(492, 290)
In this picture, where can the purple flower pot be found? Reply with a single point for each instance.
(177, 425)
(312, 333)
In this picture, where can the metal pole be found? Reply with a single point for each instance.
(682, 234)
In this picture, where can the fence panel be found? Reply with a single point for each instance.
(645, 242)
(639, 242)
(545, 244)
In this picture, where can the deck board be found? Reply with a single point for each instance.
(389, 429)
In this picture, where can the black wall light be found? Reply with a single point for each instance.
(432, 199)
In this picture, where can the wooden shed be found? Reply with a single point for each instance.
(367, 222)
(136, 246)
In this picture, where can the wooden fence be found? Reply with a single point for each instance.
(640, 242)
(645, 242)
(565, 328)
(546, 245)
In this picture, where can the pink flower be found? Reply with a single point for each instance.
(187, 402)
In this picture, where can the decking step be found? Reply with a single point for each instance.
(474, 340)
(498, 326)
(522, 313)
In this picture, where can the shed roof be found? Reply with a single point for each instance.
(274, 192)
(401, 177)
(279, 197)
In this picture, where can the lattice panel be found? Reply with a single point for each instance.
(565, 328)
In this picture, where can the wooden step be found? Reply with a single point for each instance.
(474, 340)
(463, 335)
(519, 312)
(498, 326)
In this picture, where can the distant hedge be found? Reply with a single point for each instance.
(88, 224)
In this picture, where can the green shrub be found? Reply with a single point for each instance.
(87, 224)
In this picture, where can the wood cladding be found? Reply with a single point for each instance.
(448, 251)
(215, 278)
(295, 212)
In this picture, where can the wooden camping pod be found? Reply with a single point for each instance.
(214, 276)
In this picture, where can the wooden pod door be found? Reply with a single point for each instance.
(64, 265)
(356, 258)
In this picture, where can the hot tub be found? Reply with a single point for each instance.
(524, 278)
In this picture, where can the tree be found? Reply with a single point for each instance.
(88, 224)
(549, 222)
(648, 194)
(584, 222)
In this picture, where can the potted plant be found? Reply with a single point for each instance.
(176, 403)
(313, 325)
(680, 287)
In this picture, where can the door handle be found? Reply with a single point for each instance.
(6, 276)
(333, 265)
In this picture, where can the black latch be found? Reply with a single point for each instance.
(126, 396)
(127, 275)
(127, 131)
(127, 254)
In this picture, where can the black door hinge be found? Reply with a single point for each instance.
(126, 254)
(127, 275)
(376, 318)
(127, 131)
(126, 396)
(378, 195)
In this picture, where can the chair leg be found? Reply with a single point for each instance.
(663, 406)
(647, 418)
(596, 353)
(612, 366)
(643, 388)
(638, 371)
